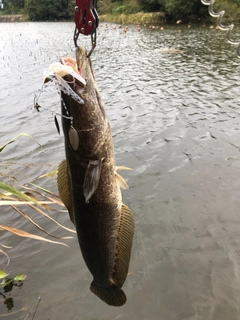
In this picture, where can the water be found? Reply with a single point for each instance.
(175, 121)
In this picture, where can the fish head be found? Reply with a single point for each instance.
(89, 119)
(69, 64)
(82, 67)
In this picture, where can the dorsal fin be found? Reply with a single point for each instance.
(124, 246)
(64, 188)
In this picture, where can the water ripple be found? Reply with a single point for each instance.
(172, 98)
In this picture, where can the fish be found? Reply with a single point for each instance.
(89, 186)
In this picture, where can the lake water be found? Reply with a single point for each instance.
(175, 119)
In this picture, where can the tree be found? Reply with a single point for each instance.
(49, 9)
(184, 9)
(104, 6)
(13, 6)
(151, 5)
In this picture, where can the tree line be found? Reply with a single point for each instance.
(186, 10)
(42, 10)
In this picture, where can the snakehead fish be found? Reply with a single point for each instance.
(89, 186)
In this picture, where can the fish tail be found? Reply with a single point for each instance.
(112, 295)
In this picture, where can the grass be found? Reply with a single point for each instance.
(18, 197)
(40, 200)
(134, 18)
(10, 17)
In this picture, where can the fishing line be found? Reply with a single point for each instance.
(57, 113)
(60, 87)
(29, 312)
(219, 16)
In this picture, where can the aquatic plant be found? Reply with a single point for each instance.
(41, 201)
(7, 283)
(35, 197)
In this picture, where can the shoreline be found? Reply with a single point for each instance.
(139, 17)
(11, 18)
(134, 18)
(148, 18)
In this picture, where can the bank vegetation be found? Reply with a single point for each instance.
(126, 11)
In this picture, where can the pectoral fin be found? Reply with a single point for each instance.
(91, 179)
(124, 246)
(122, 168)
(64, 187)
(121, 181)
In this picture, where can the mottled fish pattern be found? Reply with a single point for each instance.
(89, 186)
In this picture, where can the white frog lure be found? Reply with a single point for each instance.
(55, 73)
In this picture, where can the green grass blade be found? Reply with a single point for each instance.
(17, 193)
(15, 138)
(3, 274)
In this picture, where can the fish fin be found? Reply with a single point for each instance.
(122, 168)
(124, 246)
(64, 187)
(91, 178)
(112, 295)
(121, 181)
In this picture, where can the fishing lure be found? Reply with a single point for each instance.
(55, 74)
(219, 16)
(64, 87)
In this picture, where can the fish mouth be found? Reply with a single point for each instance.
(75, 75)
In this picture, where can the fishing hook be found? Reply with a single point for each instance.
(219, 16)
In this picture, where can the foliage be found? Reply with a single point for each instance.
(15, 138)
(151, 5)
(43, 10)
(6, 286)
(186, 10)
(13, 6)
(125, 6)
(37, 201)
(182, 9)
(231, 8)
(10, 281)
(104, 6)
(37, 198)
(134, 18)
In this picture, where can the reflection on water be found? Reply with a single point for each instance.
(7, 287)
(175, 121)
